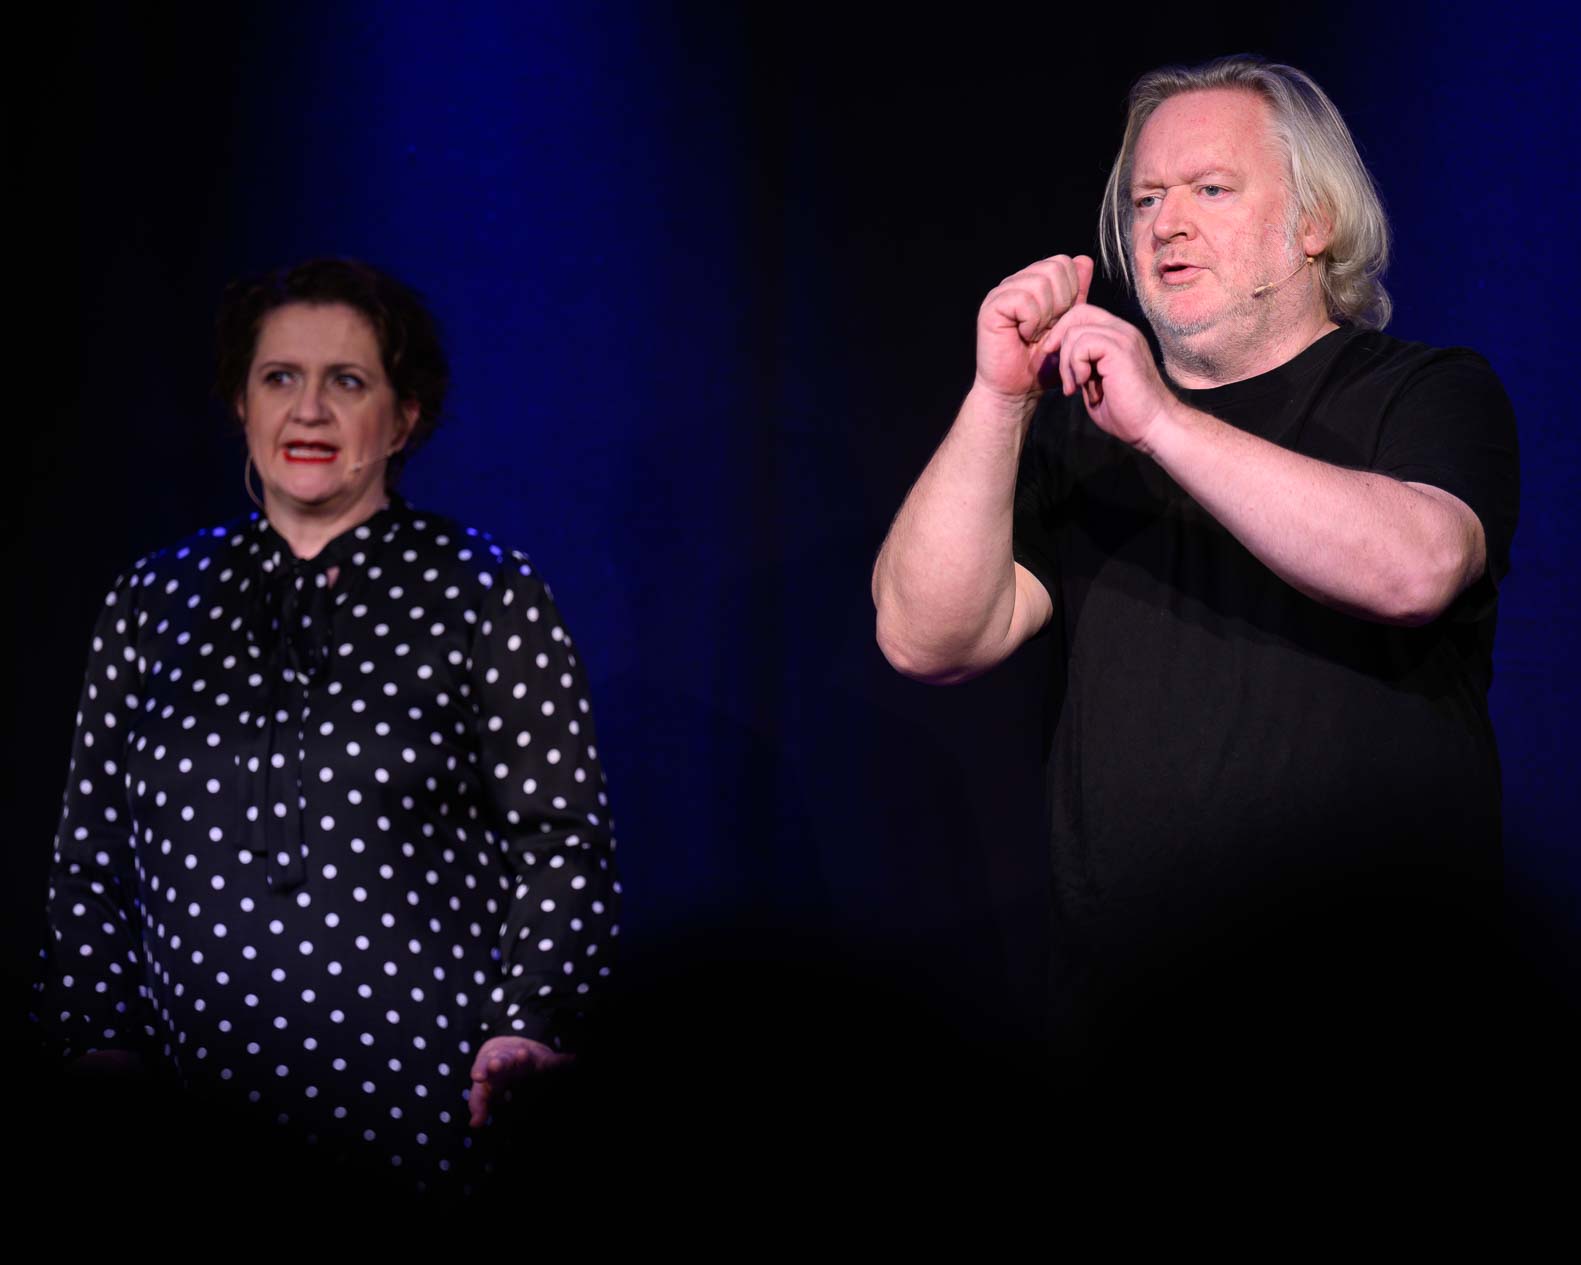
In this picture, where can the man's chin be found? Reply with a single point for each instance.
(1172, 315)
(1179, 328)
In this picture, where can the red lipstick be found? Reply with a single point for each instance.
(309, 452)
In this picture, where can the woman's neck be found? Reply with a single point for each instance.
(308, 530)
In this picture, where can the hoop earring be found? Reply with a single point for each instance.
(247, 468)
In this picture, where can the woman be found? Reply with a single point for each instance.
(335, 842)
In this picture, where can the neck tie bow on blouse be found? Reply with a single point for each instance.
(290, 627)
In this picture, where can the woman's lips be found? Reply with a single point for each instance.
(310, 454)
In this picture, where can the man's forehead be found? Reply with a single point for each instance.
(1217, 131)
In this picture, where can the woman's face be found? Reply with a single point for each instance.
(321, 417)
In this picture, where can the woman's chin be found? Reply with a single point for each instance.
(311, 493)
(332, 488)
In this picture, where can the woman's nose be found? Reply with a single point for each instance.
(309, 404)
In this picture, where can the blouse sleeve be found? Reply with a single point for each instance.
(539, 757)
(90, 993)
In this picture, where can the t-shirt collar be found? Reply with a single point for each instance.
(1281, 379)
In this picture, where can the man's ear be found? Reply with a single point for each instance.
(1317, 231)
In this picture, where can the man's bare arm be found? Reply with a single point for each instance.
(951, 601)
(1363, 543)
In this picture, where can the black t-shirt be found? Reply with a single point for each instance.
(1226, 754)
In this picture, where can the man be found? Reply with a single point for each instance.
(1266, 577)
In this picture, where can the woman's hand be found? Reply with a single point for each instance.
(503, 1062)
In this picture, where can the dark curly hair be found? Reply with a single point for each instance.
(408, 335)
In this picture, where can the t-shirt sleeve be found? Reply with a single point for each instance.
(539, 757)
(1036, 497)
(89, 993)
(1452, 426)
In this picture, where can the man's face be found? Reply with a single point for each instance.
(1212, 221)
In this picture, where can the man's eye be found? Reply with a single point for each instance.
(1212, 190)
(1145, 202)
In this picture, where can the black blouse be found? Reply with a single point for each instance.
(321, 840)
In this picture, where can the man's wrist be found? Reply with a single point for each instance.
(992, 405)
(1174, 424)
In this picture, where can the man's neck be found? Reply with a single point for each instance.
(1196, 365)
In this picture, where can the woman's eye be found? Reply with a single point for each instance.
(350, 381)
(277, 377)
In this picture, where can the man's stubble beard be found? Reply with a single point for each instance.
(1250, 315)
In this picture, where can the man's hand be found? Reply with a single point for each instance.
(1016, 317)
(1110, 362)
(503, 1062)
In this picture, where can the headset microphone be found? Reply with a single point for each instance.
(1274, 285)
(360, 465)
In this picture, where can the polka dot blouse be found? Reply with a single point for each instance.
(330, 825)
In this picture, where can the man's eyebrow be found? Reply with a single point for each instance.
(1201, 173)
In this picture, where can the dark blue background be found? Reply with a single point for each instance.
(708, 281)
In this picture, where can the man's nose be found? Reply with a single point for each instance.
(1174, 218)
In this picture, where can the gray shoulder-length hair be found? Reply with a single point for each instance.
(1325, 174)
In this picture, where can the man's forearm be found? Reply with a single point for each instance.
(1360, 542)
(944, 584)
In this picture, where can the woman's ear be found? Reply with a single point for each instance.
(410, 411)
